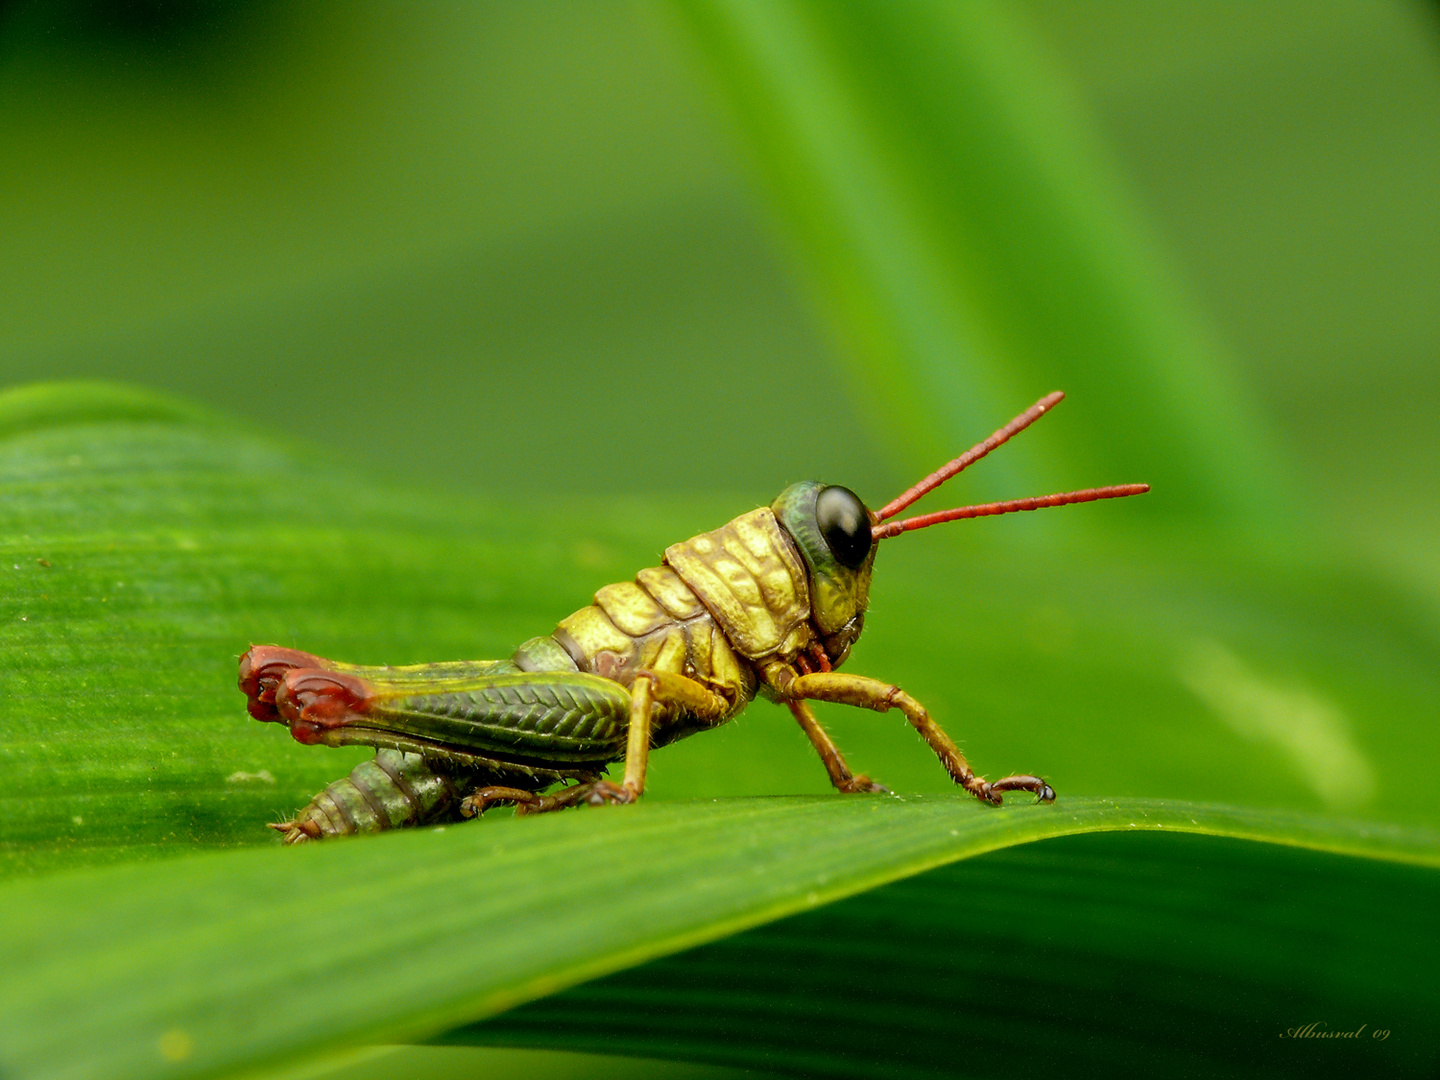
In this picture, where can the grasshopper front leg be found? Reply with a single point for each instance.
(840, 775)
(651, 691)
(867, 693)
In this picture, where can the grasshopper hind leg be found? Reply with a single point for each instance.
(594, 793)
(651, 690)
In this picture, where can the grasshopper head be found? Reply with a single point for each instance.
(837, 534)
(832, 529)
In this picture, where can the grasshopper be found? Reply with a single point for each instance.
(770, 603)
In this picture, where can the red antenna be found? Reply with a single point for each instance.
(974, 454)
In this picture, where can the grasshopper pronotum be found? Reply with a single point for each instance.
(771, 602)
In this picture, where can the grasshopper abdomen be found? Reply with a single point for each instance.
(392, 790)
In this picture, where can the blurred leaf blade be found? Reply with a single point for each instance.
(975, 246)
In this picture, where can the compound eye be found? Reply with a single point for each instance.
(845, 524)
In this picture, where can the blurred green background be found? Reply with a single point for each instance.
(506, 298)
(474, 245)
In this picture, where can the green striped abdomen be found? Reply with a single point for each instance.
(390, 791)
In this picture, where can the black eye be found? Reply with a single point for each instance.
(845, 525)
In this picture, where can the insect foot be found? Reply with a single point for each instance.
(861, 785)
(603, 793)
(1043, 792)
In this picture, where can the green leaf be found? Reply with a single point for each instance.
(248, 958)
(1089, 956)
(146, 544)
